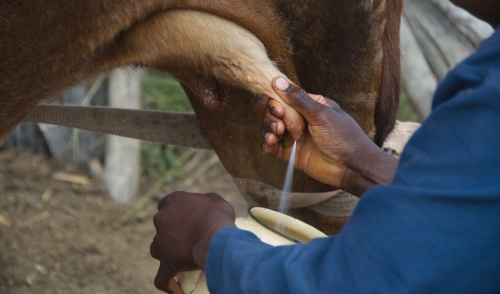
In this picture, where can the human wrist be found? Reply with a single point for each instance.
(367, 167)
(200, 249)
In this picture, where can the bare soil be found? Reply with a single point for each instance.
(48, 229)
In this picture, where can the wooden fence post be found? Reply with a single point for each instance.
(122, 160)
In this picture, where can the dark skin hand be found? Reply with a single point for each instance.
(185, 224)
(332, 147)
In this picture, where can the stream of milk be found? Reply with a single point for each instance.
(287, 188)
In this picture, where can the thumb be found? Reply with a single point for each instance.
(297, 98)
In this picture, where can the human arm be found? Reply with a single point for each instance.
(433, 230)
(332, 147)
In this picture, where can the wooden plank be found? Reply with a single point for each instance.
(122, 160)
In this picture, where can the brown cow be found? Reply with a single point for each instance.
(346, 50)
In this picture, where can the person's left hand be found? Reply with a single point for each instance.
(185, 224)
(332, 148)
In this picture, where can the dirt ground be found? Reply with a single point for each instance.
(48, 229)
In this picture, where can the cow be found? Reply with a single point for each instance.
(225, 53)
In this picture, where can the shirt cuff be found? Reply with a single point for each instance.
(214, 267)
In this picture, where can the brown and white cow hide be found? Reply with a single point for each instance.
(223, 52)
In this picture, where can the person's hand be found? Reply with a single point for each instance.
(332, 147)
(185, 224)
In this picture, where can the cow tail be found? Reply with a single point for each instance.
(387, 104)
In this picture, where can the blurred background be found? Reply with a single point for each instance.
(76, 206)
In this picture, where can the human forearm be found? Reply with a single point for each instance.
(368, 167)
(200, 250)
(239, 263)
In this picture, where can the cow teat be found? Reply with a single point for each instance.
(210, 92)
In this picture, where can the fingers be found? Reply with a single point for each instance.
(293, 121)
(273, 129)
(276, 109)
(269, 138)
(185, 224)
(154, 251)
(273, 123)
(297, 98)
(168, 197)
(161, 203)
(164, 280)
(174, 287)
(272, 150)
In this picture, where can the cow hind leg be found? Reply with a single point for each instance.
(194, 45)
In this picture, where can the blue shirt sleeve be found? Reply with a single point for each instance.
(435, 229)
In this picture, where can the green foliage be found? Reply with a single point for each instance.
(406, 112)
(161, 92)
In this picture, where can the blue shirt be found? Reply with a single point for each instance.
(435, 229)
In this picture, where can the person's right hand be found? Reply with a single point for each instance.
(185, 225)
(333, 149)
